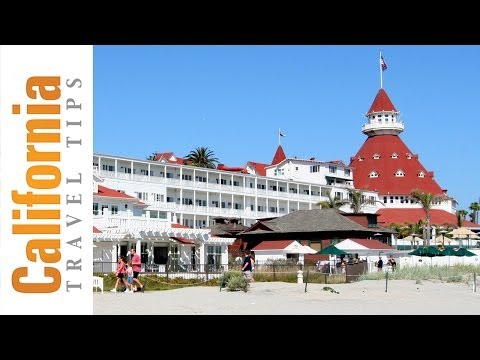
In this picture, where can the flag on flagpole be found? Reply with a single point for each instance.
(282, 134)
(383, 64)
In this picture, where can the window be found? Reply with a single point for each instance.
(373, 174)
(385, 200)
(360, 158)
(332, 169)
(169, 175)
(141, 195)
(236, 183)
(347, 172)
(279, 172)
(200, 202)
(273, 187)
(296, 168)
(145, 172)
(260, 208)
(95, 208)
(315, 168)
(409, 156)
(170, 199)
(214, 257)
(187, 177)
(114, 209)
(421, 174)
(108, 167)
(272, 209)
(376, 156)
(237, 206)
(157, 197)
(394, 156)
(187, 201)
(261, 186)
(399, 173)
(223, 182)
(293, 190)
(200, 178)
(215, 203)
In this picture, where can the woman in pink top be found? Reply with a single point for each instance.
(120, 273)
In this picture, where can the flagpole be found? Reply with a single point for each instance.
(279, 132)
(380, 66)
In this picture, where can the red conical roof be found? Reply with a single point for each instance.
(381, 103)
(279, 155)
(392, 155)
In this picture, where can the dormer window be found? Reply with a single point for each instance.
(373, 174)
(421, 174)
(399, 173)
(376, 156)
(409, 156)
(394, 156)
(360, 158)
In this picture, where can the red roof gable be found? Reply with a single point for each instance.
(107, 192)
(386, 146)
(259, 168)
(96, 231)
(279, 156)
(273, 245)
(372, 244)
(381, 103)
(401, 216)
(167, 156)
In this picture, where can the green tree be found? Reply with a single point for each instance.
(333, 202)
(461, 214)
(358, 200)
(202, 157)
(427, 200)
(152, 157)
(475, 207)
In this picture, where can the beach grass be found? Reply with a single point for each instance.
(456, 273)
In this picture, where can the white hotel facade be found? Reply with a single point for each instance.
(151, 197)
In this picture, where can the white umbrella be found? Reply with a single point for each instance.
(463, 233)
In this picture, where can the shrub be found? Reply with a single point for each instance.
(234, 281)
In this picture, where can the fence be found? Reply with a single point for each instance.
(262, 272)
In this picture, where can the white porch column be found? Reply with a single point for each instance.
(201, 256)
(138, 247)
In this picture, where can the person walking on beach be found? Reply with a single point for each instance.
(137, 268)
(247, 267)
(380, 263)
(120, 273)
(129, 274)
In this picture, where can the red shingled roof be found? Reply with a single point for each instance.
(437, 217)
(167, 156)
(96, 231)
(259, 168)
(273, 245)
(279, 156)
(386, 167)
(381, 103)
(179, 226)
(107, 192)
(182, 240)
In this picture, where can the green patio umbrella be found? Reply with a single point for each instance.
(462, 252)
(331, 250)
(430, 251)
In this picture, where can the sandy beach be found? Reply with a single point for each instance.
(403, 297)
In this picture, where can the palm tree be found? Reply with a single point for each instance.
(152, 157)
(333, 202)
(358, 200)
(427, 200)
(475, 207)
(461, 217)
(202, 157)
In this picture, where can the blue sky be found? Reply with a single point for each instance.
(233, 99)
